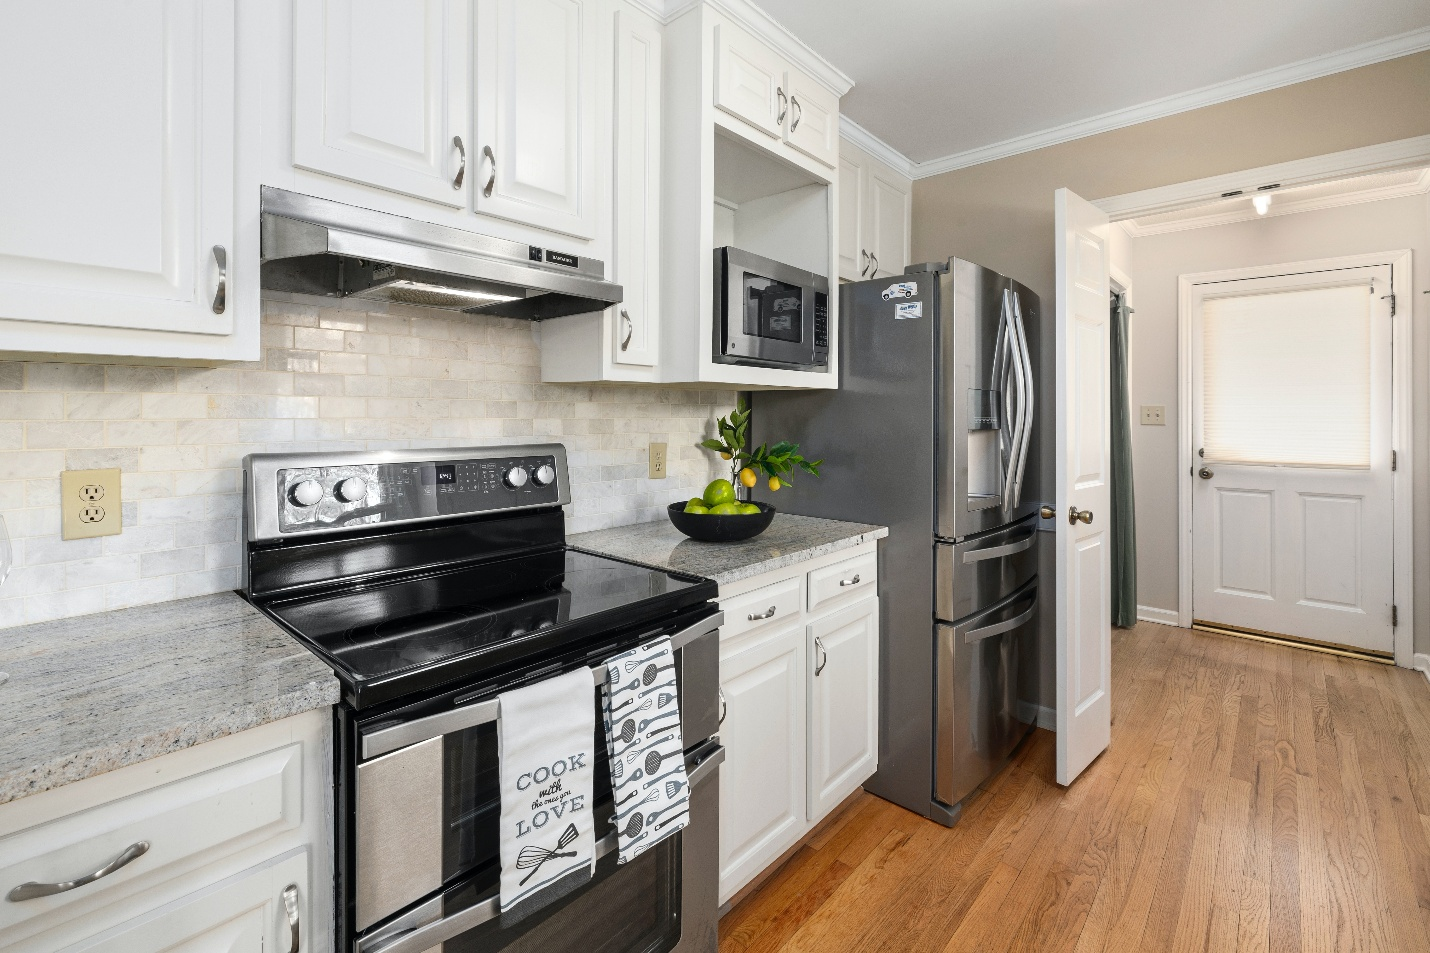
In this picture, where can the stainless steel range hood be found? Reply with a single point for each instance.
(316, 246)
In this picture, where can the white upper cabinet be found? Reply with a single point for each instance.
(874, 216)
(380, 95)
(853, 256)
(812, 125)
(637, 199)
(534, 158)
(117, 173)
(749, 80)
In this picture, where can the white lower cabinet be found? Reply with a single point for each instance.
(800, 705)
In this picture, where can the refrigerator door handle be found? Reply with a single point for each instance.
(1025, 402)
(998, 384)
(1012, 477)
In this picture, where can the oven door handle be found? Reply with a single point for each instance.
(698, 768)
(386, 740)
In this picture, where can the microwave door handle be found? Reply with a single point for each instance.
(1026, 401)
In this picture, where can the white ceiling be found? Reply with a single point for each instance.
(935, 78)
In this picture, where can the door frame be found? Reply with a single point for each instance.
(1402, 426)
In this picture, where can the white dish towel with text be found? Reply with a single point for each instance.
(642, 715)
(545, 738)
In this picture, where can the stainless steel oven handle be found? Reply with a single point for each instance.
(386, 740)
(1006, 549)
(429, 935)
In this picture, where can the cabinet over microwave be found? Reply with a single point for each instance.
(768, 314)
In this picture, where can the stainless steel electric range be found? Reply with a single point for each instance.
(432, 581)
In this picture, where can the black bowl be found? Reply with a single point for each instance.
(721, 529)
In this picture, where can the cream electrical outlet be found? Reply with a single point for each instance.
(658, 470)
(1154, 415)
(89, 503)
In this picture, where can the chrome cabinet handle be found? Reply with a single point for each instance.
(462, 169)
(221, 292)
(873, 264)
(491, 157)
(823, 656)
(33, 891)
(1076, 516)
(761, 616)
(724, 709)
(849, 582)
(290, 907)
(630, 329)
(784, 105)
(864, 257)
(1205, 473)
(794, 101)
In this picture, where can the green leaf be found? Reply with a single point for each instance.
(715, 445)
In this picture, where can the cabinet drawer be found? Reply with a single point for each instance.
(859, 574)
(771, 605)
(147, 838)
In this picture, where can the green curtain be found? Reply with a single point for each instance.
(1124, 521)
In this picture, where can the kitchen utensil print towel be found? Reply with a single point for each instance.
(546, 734)
(642, 715)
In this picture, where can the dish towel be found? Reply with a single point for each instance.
(545, 738)
(641, 709)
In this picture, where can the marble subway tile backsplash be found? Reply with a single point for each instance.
(332, 377)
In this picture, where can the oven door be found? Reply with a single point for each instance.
(769, 314)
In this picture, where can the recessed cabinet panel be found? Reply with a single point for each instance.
(116, 176)
(812, 125)
(843, 704)
(887, 224)
(534, 156)
(749, 80)
(380, 94)
(853, 258)
(637, 199)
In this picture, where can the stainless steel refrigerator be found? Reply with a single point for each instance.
(930, 434)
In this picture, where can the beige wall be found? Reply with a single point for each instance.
(1000, 214)
(1158, 260)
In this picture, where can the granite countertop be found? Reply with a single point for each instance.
(790, 539)
(94, 693)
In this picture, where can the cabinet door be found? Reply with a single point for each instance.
(247, 916)
(886, 222)
(637, 265)
(853, 257)
(380, 94)
(762, 782)
(843, 704)
(749, 80)
(116, 177)
(812, 125)
(536, 80)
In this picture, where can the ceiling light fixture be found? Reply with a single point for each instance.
(1262, 203)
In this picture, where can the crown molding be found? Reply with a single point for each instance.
(1288, 205)
(1366, 54)
(852, 132)
(767, 28)
(1384, 157)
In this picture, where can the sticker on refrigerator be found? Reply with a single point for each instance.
(905, 310)
(901, 289)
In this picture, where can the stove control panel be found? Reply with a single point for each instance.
(353, 494)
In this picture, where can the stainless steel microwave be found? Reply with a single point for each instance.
(768, 314)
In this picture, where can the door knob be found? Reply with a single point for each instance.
(1205, 473)
(1047, 512)
(1076, 515)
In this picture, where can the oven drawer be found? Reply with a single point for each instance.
(762, 608)
(979, 571)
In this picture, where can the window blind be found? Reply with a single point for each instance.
(1286, 377)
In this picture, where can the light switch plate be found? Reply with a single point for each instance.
(1154, 415)
(90, 503)
(658, 469)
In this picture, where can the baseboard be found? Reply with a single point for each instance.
(1422, 663)
(1047, 718)
(1159, 616)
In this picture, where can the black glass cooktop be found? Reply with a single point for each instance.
(392, 639)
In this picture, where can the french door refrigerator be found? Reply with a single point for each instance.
(930, 434)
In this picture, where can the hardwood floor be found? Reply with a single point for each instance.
(1255, 797)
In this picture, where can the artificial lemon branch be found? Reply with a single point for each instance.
(778, 462)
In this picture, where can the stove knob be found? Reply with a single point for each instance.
(351, 490)
(545, 475)
(306, 493)
(515, 477)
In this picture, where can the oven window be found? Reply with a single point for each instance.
(773, 309)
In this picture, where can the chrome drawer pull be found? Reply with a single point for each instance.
(33, 891)
(761, 616)
(290, 907)
(849, 582)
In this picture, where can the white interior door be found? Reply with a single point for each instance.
(1084, 511)
(1293, 499)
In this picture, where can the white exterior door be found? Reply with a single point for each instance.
(1293, 498)
(843, 703)
(380, 95)
(1084, 512)
(116, 176)
(763, 691)
(637, 199)
(535, 159)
